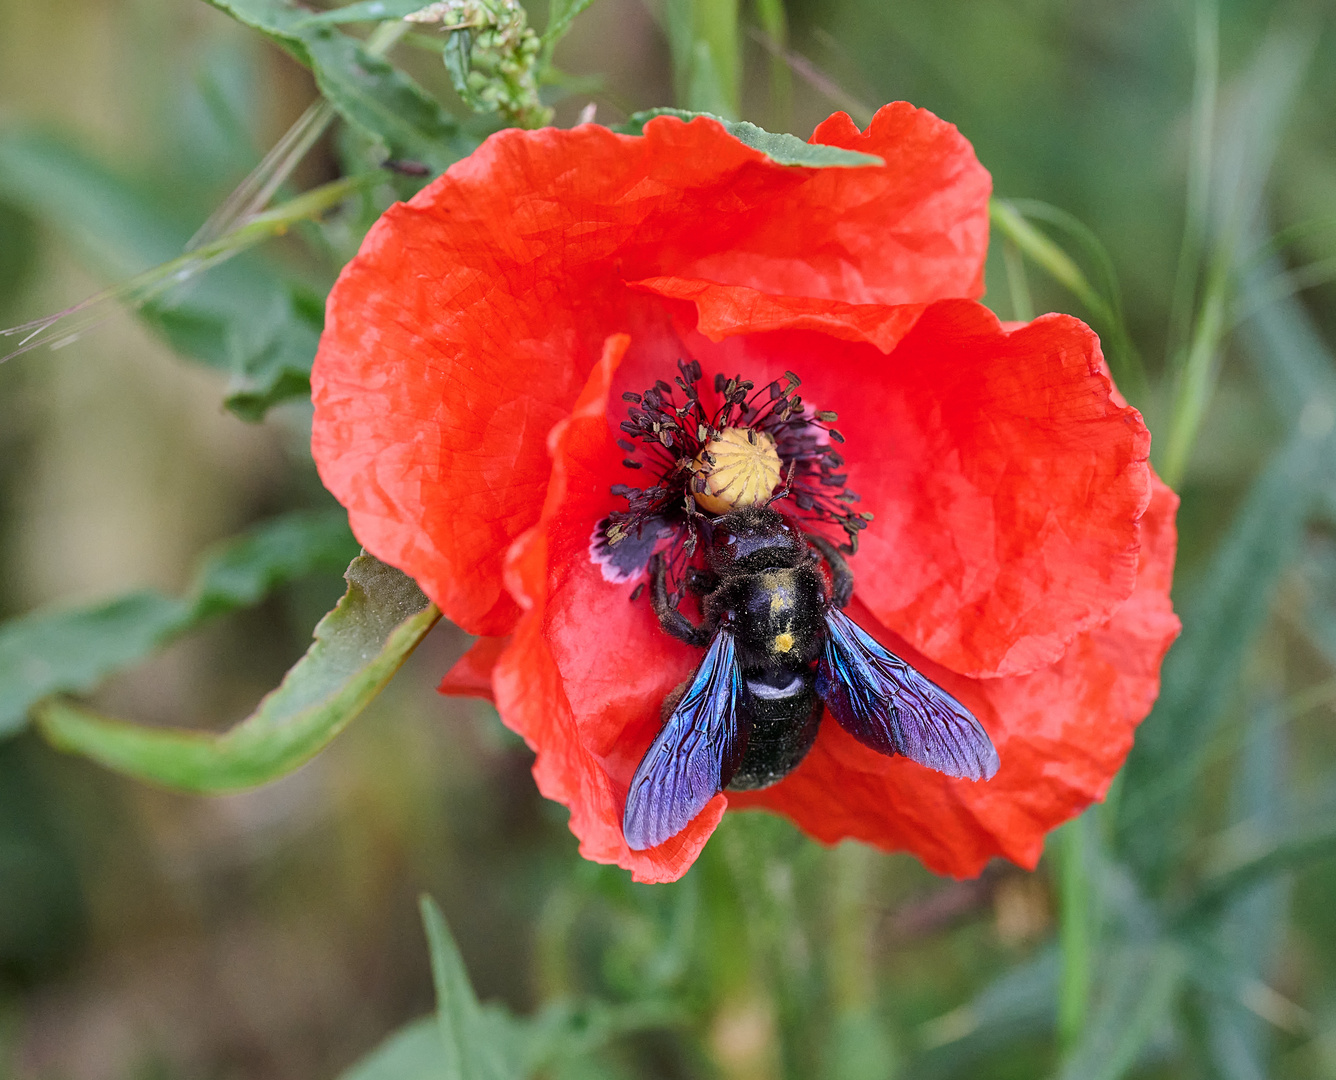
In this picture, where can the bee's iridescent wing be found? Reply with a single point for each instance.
(694, 755)
(887, 705)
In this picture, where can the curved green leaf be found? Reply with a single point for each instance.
(781, 148)
(358, 648)
(70, 651)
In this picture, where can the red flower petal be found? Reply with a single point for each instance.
(1006, 476)
(1062, 734)
(574, 622)
(472, 674)
(725, 310)
(468, 323)
(587, 671)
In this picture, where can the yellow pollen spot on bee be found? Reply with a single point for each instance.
(783, 642)
(740, 467)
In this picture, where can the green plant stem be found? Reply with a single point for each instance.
(1022, 306)
(1198, 376)
(849, 962)
(1047, 255)
(1074, 934)
(1012, 223)
(774, 24)
(1205, 91)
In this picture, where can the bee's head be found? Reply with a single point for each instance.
(753, 538)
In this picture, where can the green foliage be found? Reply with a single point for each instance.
(414, 1052)
(1141, 981)
(361, 12)
(560, 18)
(71, 650)
(246, 318)
(358, 648)
(703, 38)
(469, 1041)
(492, 56)
(1172, 902)
(784, 149)
(367, 91)
(18, 251)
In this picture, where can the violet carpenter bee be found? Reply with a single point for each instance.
(779, 648)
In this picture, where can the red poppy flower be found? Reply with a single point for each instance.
(469, 406)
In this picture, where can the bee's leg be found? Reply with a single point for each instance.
(842, 578)
(672, 620)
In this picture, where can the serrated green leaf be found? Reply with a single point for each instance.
(781, 148)
(367, 91)
(1140, 984)
(70, 651)
(413, 1052)
(358, 648)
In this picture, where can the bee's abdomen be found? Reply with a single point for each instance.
(784, 722)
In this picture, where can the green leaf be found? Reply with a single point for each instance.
(358, 648)
(243, 317)
(18, 251)
(1019, 1004)
(366, 90)
(50, 652)
(781, 148)
(560, 15)
(242, 572)
(1288, 847)
(485, 1042)
(414, 1052)
(1251, 929)
(471, 1038)
(364, 11)
(704, 43)
(1201, 672)
(1140, 985)
(72, 650)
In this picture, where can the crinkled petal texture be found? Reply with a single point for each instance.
(468, 391)
(468, 323)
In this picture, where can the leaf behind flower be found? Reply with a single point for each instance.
(781, 148)
(358, 648)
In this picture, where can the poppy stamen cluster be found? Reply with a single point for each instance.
(735, 455)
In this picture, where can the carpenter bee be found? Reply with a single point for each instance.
(778, 646)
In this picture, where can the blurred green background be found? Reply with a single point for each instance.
(1186, 929)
